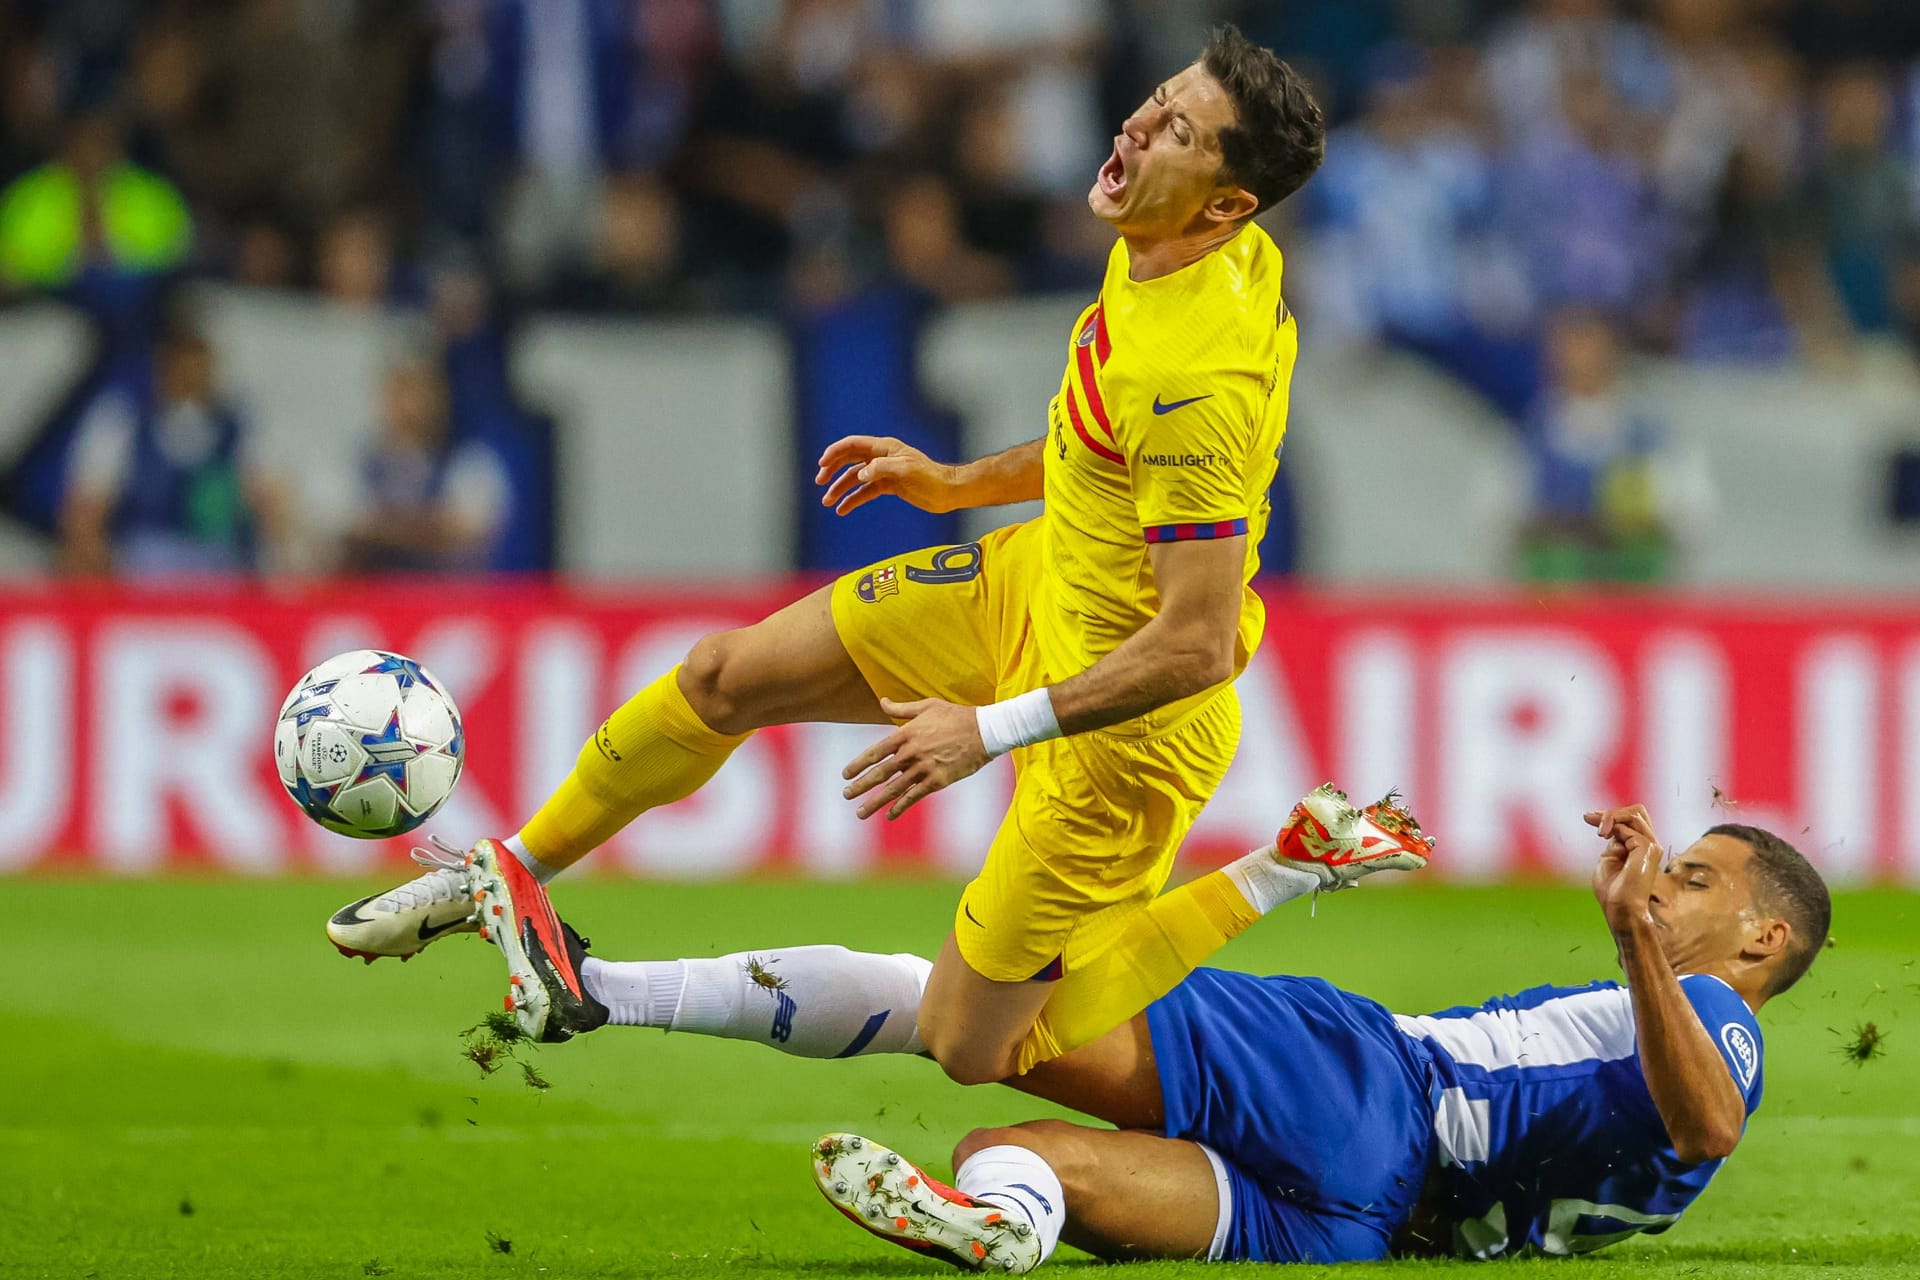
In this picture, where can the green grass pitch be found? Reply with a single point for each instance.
(195, 1085)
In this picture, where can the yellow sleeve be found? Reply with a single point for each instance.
(1187, 452)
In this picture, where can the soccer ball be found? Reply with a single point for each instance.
(369, 744)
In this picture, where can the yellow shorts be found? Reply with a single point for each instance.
(1096, 818)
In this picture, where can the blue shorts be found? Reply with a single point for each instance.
(1317, 1108)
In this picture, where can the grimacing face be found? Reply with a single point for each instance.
(1703, 906)
(1164, 172)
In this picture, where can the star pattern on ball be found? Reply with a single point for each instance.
(405, 671)
(313, 704)
(311, 798)
(388, 752)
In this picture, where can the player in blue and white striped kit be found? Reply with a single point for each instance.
(1281, 1119)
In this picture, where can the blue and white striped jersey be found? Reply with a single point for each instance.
(1547, 1139)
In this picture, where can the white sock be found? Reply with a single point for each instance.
(1016, 1179)
(537, 869)
(812, 1002)
(1266, 882)
(637, 993)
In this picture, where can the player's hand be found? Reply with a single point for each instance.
(1629, 866)
(858, 469)
(937, 746)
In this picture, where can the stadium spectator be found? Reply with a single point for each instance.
(432, 502)
(90, 211)
(926, 248)
(1402, 249)
(1851, 226)
(354, 259)
(1580, 205)
(1532, 58)
(163, 477)
(1612, 493)
(584, 86)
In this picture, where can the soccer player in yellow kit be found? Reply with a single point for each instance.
(1097, 643)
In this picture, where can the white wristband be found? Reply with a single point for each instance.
(1018, 722)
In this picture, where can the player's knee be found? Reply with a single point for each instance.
(965, 1061)
(1055, 1141)
(718, 683)
(980, 1140)
(964, 1066)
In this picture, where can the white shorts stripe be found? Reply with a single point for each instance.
(1218, 1248)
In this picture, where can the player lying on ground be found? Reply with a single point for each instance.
(1281, 1119)
(1098, 643)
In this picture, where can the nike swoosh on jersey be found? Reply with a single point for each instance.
(1159, 408)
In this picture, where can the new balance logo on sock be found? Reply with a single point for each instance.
(1045, 1206)
(783, 1007)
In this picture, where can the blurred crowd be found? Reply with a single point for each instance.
(1519, 192)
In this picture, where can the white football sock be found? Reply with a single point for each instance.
(637, 993)
(537, 869)
(1017, 1179)
(1266, 882)
(812, 1002)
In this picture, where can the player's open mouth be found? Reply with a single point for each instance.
(1113, 174)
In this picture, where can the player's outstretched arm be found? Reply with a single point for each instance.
(858, 469)
(1188, 646)
(1695, 1093)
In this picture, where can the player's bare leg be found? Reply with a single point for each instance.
(1114, 1079)
(1018, 1191)
(789, 668)
(663, 744)
(972, 1025)
(1108, 1177)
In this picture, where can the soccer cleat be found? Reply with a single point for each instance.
(545, 993)
(401, 922)
(1339, 844)
(880, 1190)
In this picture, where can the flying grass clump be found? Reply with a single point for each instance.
(762, 975)
(1863, 1044)
(492, 1042)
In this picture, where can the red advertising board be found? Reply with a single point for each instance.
(136, 728)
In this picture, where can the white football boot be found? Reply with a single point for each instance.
(402, 921)
(884, 1192)
(1338, 843)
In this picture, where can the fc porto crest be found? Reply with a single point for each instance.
(877, 584)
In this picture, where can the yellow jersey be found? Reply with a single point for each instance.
(1167, 426)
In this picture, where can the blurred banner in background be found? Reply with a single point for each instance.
(137, 726)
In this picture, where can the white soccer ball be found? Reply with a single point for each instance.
(369, 744)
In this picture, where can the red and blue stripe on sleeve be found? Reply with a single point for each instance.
(1187, 532)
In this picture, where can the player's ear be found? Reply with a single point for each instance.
(1231, 204)
(1767, 937)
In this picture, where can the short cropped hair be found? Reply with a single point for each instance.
(1786, 885)
(1279, 136)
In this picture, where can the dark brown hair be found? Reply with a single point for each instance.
(1786, 885)
(1279, 136)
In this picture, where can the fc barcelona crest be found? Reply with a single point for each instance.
(877, 584)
